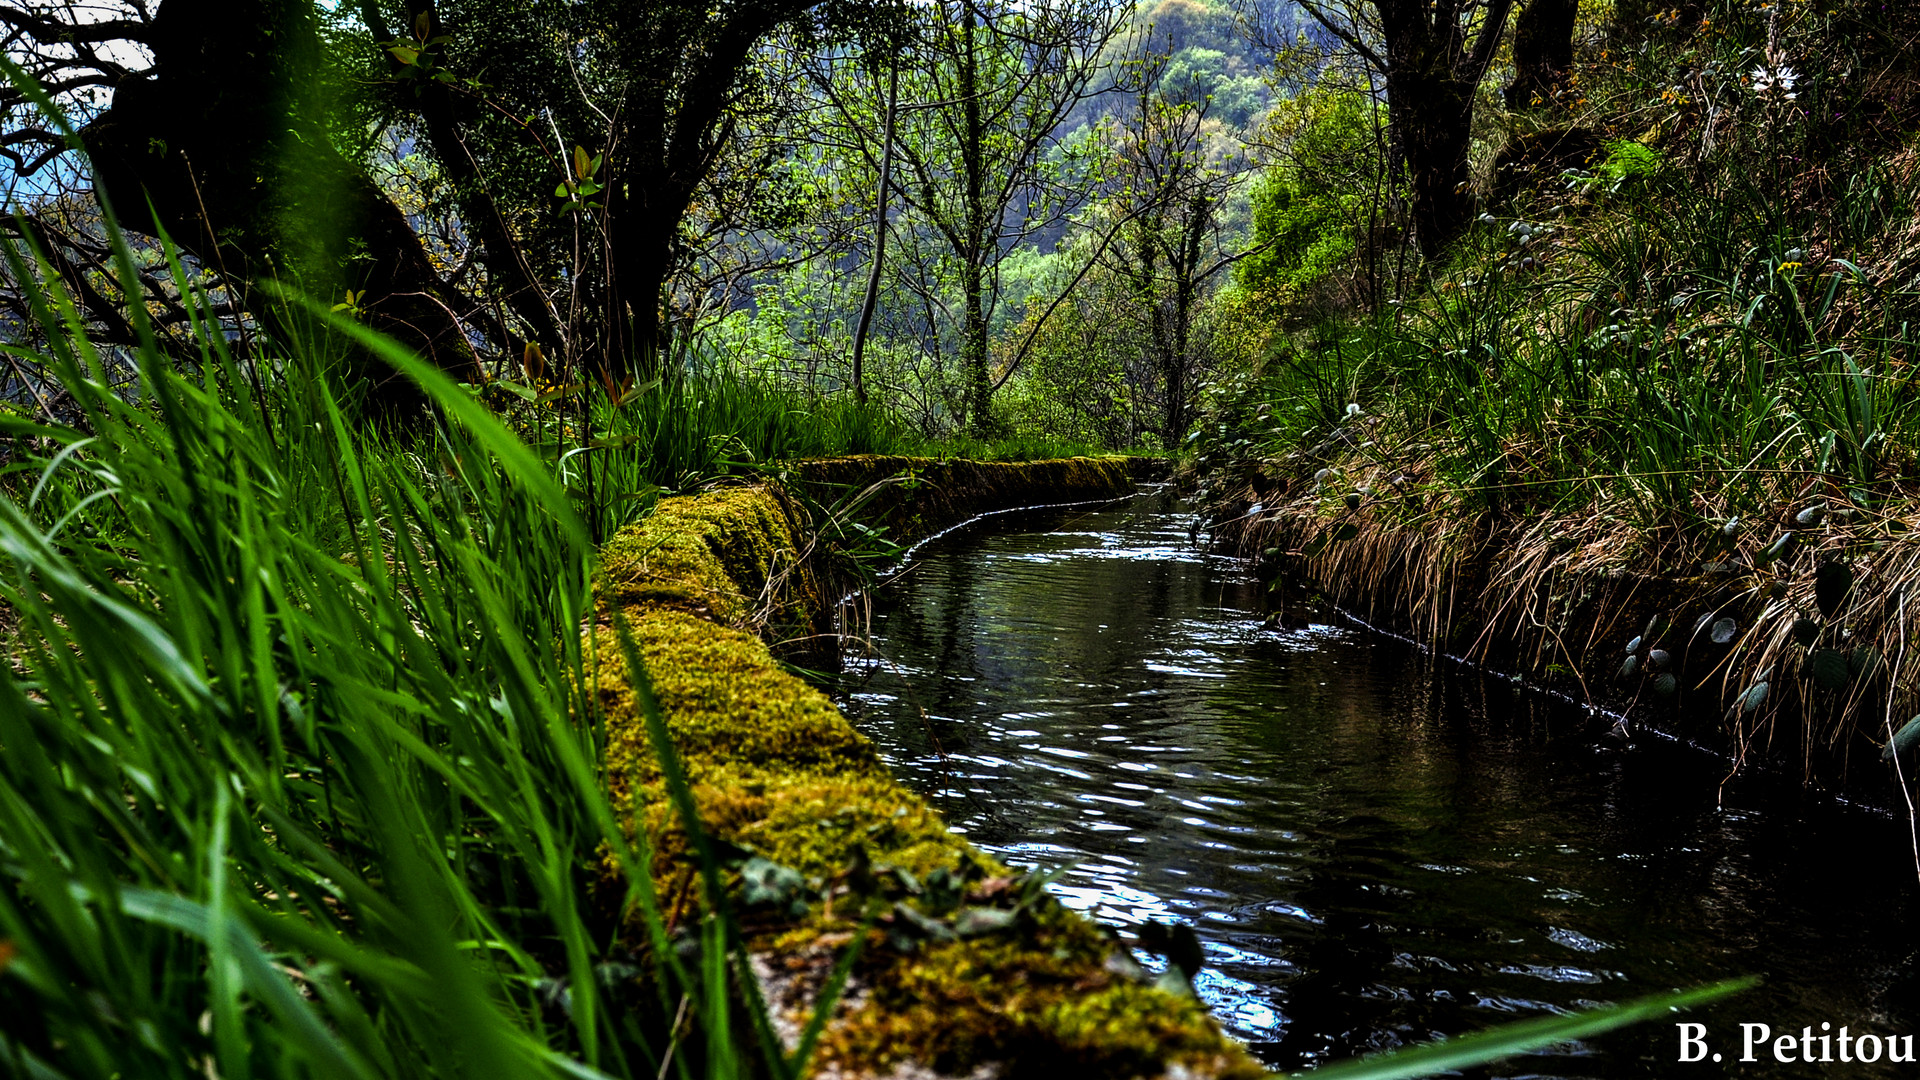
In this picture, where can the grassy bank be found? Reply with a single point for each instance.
(1662, 397)
(619, 452)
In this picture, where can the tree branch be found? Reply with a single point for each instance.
(1352, 40)
(53, 32)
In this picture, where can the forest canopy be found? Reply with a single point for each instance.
(993, 217)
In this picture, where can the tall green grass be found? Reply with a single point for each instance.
(300, 772)
(1628, 377)
(617, 453)
(1696, 334)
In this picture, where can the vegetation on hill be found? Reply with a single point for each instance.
(1676, 342)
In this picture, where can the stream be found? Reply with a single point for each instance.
(1374, 847)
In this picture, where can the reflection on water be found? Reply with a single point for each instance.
(1374, 850)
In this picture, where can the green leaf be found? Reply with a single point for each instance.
(1755, 697)
(519, 390)
(1634, 645)
(1829, 668)
(1831, 583)
(1630, 667)
(406, 55)
(1902, 740)
(1666, 684)
(1863, 662)
(1724, 631)
(1346, 532)
(1658, 659)
(1178, 943)
(1779, 549)
(1507, 1040)
(1806, 632)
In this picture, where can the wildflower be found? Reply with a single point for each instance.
(1787, 268)
(1353, 408)
(1778, 80)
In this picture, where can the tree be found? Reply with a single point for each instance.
(1317, 206)
(1174, 171)
(1542, 52)
(985, 165)
(244, 127)
(1431, 56)
(634, 108)
(224, 134)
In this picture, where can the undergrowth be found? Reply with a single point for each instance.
(1685, 351)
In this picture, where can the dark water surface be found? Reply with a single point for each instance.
(1375, 848)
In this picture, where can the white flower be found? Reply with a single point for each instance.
(1780, 80)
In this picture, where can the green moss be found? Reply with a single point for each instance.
(777, 769)
(1042, 1001)
(729, 706)
(728, 553)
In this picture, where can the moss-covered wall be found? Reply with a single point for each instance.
(914, 497)
(777, 770)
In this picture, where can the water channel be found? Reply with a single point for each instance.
(1375, 847)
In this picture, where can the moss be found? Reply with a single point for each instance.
(777, 769)
(728, 553)
(730, 708)
(919, 496)
(1042, 1001)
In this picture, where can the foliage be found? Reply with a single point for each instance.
(296, 780)
(1319, 204)
(1682, 348)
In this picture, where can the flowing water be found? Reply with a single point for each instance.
(1374, 847)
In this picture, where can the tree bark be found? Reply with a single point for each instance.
(872, 297)
(1542, 52)
(1433, 71)
(1433, 120)
(228, 142)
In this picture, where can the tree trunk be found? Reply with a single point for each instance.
(974, 344)
(229, 143)
(502, 255)
(879, 235)
(1542, 52)
(1433, 72)
(1433, 115)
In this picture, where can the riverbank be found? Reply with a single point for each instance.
(1779, 639)
(964, 965)
(1646, 431)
